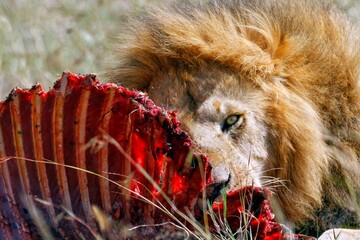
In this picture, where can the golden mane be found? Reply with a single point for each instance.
(305, 55)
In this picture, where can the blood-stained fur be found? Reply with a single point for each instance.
(270, 89)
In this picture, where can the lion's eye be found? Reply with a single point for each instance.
(235, 119)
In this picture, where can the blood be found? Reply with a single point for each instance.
(148, 139)
(250, 206)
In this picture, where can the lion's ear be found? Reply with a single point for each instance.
(289, 59)
(285, 53)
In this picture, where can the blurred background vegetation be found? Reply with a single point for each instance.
(39, 39)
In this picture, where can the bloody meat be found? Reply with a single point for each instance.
(84, 143)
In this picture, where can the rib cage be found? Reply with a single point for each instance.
(60, 147)
(84, 143)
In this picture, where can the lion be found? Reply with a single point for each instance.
(269, 89)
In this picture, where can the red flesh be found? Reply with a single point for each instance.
(66, 120)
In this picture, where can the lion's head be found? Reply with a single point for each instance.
(254, 83)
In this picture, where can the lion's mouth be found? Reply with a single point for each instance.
(247, 209)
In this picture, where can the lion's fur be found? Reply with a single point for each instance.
(294, 64)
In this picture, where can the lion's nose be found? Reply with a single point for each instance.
(221, 176)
